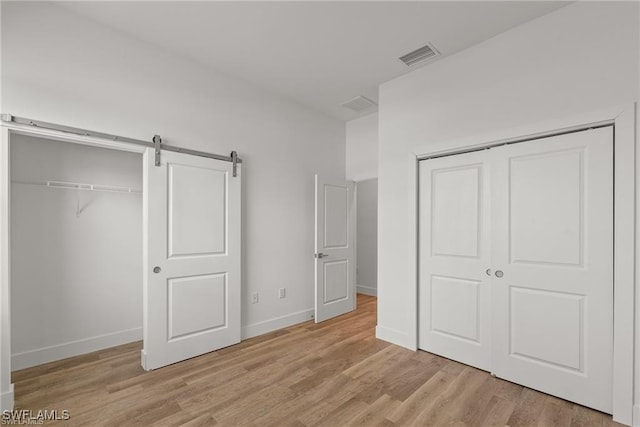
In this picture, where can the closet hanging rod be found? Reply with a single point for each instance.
(8, 118)
(81, 186)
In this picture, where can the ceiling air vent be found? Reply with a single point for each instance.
(359, 104)
(419, 55)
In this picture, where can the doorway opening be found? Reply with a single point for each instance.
(367, 237)
(76, 249)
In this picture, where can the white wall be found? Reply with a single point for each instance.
(534, 73)
(581, 58)
(76, 280)
(362, 148)
(367, 237)
(65, 69)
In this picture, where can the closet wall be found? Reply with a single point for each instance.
(76, 255)
(121, 85)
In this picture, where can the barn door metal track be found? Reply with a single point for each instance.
(155, 143)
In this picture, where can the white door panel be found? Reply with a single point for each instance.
(336, 216)
(552, 236)
(335, 248)
(454, 253)
(192, 295)
(546, 207)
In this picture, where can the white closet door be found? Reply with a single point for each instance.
(192, 291)
(335, 269)
(552, 243)
(454, 254)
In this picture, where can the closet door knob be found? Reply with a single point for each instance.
(499, 273)
(157, 269)
(488, 271)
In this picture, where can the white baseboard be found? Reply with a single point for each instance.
(6, 400)
(367, 290)
(395, 337)
(636, 416)
(260, 328)
(39, 356)
(143, 360)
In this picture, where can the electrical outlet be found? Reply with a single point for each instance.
(254, 298)
(282, 293)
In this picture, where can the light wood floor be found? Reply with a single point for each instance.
(335, 373)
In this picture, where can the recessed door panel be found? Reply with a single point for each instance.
(197, 210)
(196, 304)
(559, 315)
(454, 307)
(547, 207)
(336, 281)
(336, 221)
(456, 220)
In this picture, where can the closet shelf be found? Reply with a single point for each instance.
(82, 186)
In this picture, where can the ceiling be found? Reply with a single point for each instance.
(319, 54)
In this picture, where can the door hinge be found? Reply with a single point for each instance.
(157, 141)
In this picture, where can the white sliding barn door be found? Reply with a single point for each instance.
(335, 251)
(192, 291)
(453, 256)
(552, 239)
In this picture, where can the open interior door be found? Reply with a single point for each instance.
(335, 248)
(192, 257)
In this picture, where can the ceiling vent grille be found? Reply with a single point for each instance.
(359, 104)
(419, 55)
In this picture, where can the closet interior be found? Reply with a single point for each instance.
(76, 249)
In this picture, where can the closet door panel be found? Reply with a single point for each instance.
(197, 222)
(552, 239)
(454, 254)
(192, 292)
(547, 209)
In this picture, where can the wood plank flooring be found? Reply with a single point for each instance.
(334, 373)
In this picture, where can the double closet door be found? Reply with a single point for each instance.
(516, 263)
